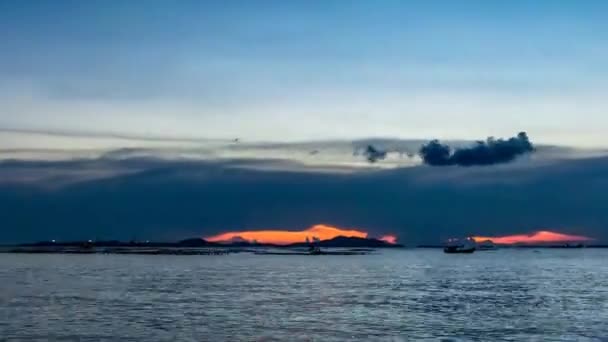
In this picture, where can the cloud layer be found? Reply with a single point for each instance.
(150, 198)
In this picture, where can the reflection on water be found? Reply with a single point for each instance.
(399, 295)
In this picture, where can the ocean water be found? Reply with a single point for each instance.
(396, 295)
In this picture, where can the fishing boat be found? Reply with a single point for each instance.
(463, 246)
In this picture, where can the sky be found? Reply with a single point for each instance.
(172, 119)
(307, 70)
(168, 200)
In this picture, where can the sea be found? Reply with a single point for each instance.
(391, 295)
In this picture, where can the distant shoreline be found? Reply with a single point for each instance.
(531, 246)
(198, 246)
(172, 249)
(193, 246)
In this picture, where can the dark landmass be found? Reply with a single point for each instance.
(192, 246)
(198, 246)
(350, 242)
(342, 252)
(193, 242)
(340, 241)
(529, 246)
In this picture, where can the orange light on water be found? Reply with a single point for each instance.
(284, 237)
(543, 236)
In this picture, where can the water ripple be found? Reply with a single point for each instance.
(508, 295)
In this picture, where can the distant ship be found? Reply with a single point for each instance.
(464, 246)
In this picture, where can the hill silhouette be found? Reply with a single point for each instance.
(340, 241)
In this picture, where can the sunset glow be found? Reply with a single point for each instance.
(392, 239)
(542, 236)
(284, 237)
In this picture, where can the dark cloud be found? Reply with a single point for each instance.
(491, 151)
(170, 200)
(373, 154)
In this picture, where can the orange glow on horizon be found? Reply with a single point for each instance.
(284, 237)
(543, 236)
(392, 239)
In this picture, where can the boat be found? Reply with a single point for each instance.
(314, 250)
(462, 246)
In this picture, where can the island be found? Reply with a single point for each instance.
(199, 246)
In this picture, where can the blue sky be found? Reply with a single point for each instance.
(307, 70)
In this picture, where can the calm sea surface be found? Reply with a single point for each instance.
(517, 295)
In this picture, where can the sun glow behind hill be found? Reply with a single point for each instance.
(539, 237)
(284, 237)
(392, 239)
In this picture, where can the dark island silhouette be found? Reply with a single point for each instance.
(191, 246)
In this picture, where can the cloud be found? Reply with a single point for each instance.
(538, 237)
(283, 237)
(152, 199)
(491, 151)
(373, 154)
